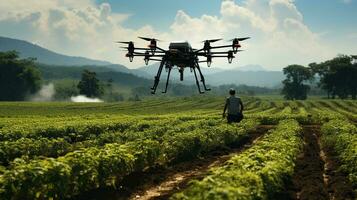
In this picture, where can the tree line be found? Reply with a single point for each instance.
(338, 77)
(20, 78)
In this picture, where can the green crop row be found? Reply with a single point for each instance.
(74, 130)
(260, 172)
(260, 106)
(277, 117)
(55, 147)
(77, 128)
(316, 116)
(342, 137)
(89, 168)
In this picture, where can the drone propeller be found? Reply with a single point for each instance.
(152, 45)
(130, 48)
(149, 39)
(124, 42)
(212, 40)
(239, 39)
(135, 48)
(207, 44)
(235, 43)
(230, 56)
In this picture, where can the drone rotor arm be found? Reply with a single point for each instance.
(220, 56)
(199, 50)
(160, 49)
(202, 61)
(222, 52)
(143, 55)
(201, 54)
(153, 59)
(223, 46)
(136, 48)
(214, 47)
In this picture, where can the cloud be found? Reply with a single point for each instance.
(83, 28)
(279, 35)
(72, 27)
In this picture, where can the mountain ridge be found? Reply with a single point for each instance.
(43, 55)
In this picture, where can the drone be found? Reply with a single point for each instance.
(181, 55)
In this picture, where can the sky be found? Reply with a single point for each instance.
(282, 32)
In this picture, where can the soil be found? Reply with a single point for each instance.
(316, 175)
(162, 182)
(338, 185)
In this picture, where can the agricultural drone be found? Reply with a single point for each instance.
(181, 55)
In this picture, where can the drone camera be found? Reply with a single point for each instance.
(230, 56)
(130, 56)
(209, 60)
(146, 58)
(236, 46)
(230, 60)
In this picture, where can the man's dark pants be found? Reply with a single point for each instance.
(234, 118)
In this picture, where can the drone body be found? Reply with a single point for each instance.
(181, 55)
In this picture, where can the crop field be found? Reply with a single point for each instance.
(179, 148)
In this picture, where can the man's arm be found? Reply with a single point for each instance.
(225, 108)
(241, 106)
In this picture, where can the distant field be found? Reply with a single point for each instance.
(118, 150)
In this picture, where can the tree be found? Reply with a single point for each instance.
(110, 86)
(337, 76)
(89, 85)
(18, 77)
(294, 87)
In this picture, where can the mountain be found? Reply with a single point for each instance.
(117, 68)
(27, 49)
(50, 73)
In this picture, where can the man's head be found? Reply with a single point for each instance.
(232, 91)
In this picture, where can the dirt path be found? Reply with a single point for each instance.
(161, 183)
(179, 178)
(316, 176)
(338, 186)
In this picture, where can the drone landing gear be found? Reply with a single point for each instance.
(157, 77)
(181, 74)
(202, 78)
(197, 82)
(167, 81)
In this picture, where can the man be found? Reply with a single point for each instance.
(235, 108)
